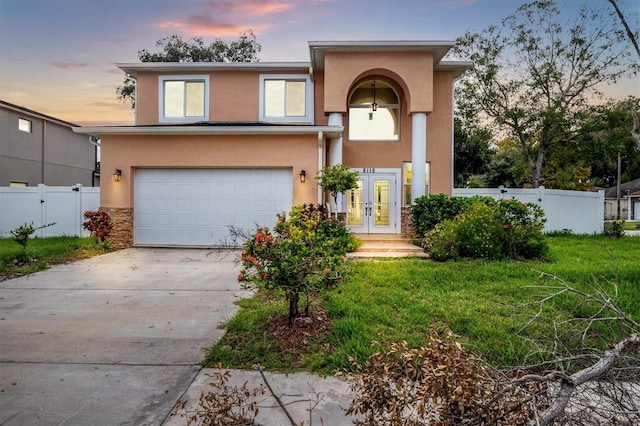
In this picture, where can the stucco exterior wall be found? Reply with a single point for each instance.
(411, 70)
(440, 134)
(51, 154)
(295, 152)
(233, 96)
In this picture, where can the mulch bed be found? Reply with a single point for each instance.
(295, 339)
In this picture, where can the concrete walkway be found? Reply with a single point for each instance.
(111, 340)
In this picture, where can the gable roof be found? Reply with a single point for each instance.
(36, 114)
(633, 186)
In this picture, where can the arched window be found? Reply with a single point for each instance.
(374, 112)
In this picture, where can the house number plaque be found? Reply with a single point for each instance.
(365, 170)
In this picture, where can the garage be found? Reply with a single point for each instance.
(195, 207)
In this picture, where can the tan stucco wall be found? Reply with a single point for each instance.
(440, 134)
(233, 96)
(411, 70)
(296, 152)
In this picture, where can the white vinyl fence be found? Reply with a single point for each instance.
(579, 211)
(64, 205)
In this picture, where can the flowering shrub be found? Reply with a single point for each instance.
(302, 255)
(98, 224)
(506, 229)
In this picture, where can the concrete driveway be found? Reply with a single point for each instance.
(111, 340)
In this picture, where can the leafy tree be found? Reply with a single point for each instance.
(605, 132)
(533, 74)
(337, 180)
(472, 152)
(175, 49)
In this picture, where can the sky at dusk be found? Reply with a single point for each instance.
(58, 56)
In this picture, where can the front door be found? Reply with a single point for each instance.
(371, 207)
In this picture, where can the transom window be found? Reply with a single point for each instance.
(374, 112)
(184, 98)
(24, 125)
(406, 182)
(286, 98)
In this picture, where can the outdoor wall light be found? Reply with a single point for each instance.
(303, 176)
(117, 175)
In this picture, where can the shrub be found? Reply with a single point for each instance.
(490, 230)
(302, 255)
(22, 235)
(614, 228)
(429, 210)
(98, 224)
(440, 242)
(479, 233)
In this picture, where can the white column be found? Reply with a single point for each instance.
(335, 145)
(335, 155)
(418, 153)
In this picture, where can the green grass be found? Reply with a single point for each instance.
(633, 225)
(482, 303)
(44, 252)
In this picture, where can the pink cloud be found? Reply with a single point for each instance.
(70, 65)
(227, 18)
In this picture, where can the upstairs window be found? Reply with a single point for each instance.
(286, 98)
(184, 98)
(374, 112)
(24, 125)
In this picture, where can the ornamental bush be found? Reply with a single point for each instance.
(429, 210)
(98, 224)
(302, 255)
(614, 228)
(490, 230)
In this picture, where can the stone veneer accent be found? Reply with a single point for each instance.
(406, 224)
(122, 219)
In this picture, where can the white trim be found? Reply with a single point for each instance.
(308, 107)
(320, 161)
(397, 208)
(329, 131)
(185, 78)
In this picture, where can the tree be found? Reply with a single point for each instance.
(472, 152)
(175, 49)
(533, 74)
(336, 180)
(605, 132)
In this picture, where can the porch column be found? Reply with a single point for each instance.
(335, 155)
(418, 154)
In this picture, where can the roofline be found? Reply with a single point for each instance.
(135, 67)
(317, 49)
(36, 114)
(458, 67)
(208, 130)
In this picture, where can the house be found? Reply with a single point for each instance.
(629, 207)
(38, 149)
(219, 144)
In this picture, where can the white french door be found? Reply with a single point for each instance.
(371, 207)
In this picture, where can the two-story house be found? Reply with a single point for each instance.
(36, 148)
(219, 144)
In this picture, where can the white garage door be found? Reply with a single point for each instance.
(194, 207)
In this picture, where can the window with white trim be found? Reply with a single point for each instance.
(286, 98)
(24, 125)
(406, 182)
(184, 98)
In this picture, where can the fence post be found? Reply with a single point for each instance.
(42, 199)
(78, 209)
(541, 196)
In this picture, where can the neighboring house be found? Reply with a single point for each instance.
(219, 144)
(629, 201)
(38, 149)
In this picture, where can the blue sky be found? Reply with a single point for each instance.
(58, 56)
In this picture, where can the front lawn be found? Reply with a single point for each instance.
(395, 300)
(43, 252)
